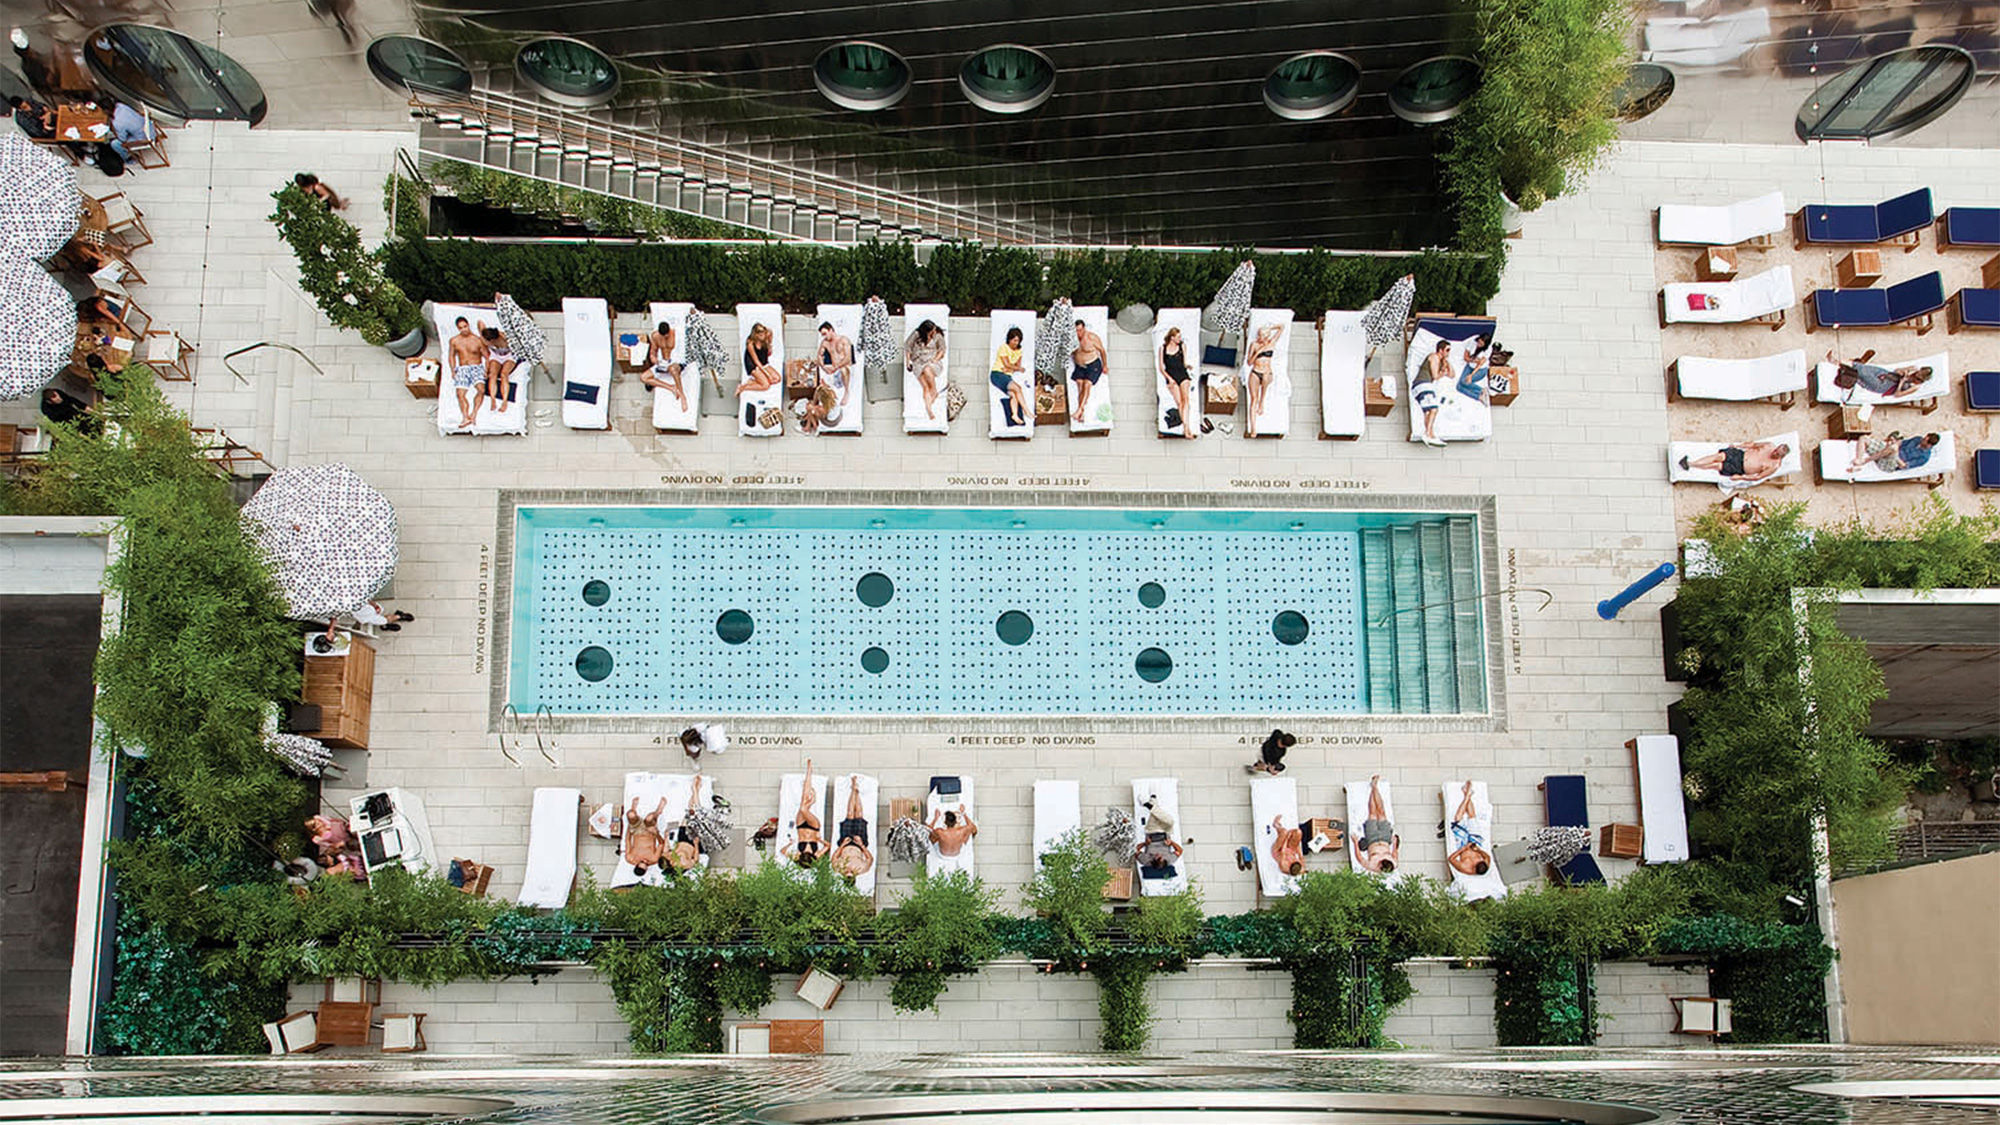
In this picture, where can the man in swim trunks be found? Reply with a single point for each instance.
(1378, 843)
(664, 372)
(1006, 365)
(808, 845)
(950, 837)
(643, 843)
(1753, 461)
(1089, 359)
(468, 370)
(1469, 838)
(851, 856)
(1435, 368)
(1289, 847)
(836, 362)
(500, 363)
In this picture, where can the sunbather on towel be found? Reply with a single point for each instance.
(643, 843)
(1469, 843)
(1174, 369)
(1752, 461)
(500, 362)
(685, 852)
(1006, 365)
(923, 354)
(664, 373)
(1263, 351)
(1379, 841)
(758, 374)
(468, 370)
(851, 856)
(1289, 848)
(951, 835)
(1478, 357)
(1435, 369)
(1089, 358)
(1875, 379)
(1894, 453)
(808, 844)
(1157, 852)
(836, 361)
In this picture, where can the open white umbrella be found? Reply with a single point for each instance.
(39, 204)
(1385, 316)
(37, 327)
(1230, 310)
(329, 536)
(524, 338)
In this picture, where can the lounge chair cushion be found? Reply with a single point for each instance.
(1982, 390)
(1979, 308)
(579, 392)
(1986, 469)
(1565, 805)
(1903, 301)
(1973, 226)
(1726, 225)
(1741, 380)
(1869, 223)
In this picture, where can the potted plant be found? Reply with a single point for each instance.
(346, 280)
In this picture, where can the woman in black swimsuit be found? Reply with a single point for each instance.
(1174, 369)
(758, 374)
(810, 845)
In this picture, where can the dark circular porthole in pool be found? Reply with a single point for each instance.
(1015, 627)
(734, 626)
(875, 589)
(593, 663)
(1154, 665)
(875, 659)
(596, 592)
(1152, 595)
(1290, 627)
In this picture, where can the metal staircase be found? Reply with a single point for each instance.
(599, 151)
(1422, 629)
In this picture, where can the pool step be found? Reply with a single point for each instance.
(1422, 620)
(1467, 612)
(1377, 628)
(1406, 575)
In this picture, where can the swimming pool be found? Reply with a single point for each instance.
(713, 610)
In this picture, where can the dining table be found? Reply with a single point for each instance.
(83, 123)
(106, 342)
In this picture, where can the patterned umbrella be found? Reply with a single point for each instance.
(878, 340)
(37, 327)
(1385, 316)
(523, 338)
(39, 203)
(1557, 846)
(307, 757)
(330, 538)
(1056, 338)
(1230, 310)
(704, 347)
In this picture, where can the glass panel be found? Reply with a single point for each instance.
(1883, 85)
(1436, 84)
(1934, 93)
(567, 71)
(167, 72)
(1891, 94)
(405, 62)
(1646, 88)
(1313, 85)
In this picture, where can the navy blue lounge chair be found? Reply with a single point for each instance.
(1900, 220)
(1969, 226)
(1986, 470)
(1565, 804)
(1909, 304)
(1973, 308)
(1982, 390)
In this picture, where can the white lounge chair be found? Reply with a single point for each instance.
(1477, 832)
(1728, 224)
(1775, 377)
(1691, 42)
(937, 804)
(1057, 814)
(1696, 450)
(844, 786)
(1835, 456)
(917, 419)
(998, 427)
(849, 394)
(1343, 375)
(1272, 797)
(649, 789)
(1767, 294)
(669, 416)
(1275, 419)
(1165, 795)
(1662, 805)
(1097, 412)
(754, 407)
(511, 417)
(1460, 417)
(551, 870)
(1168, 415)
(1932, 389)
(1357, 827)
(791, 787)
(586, 363)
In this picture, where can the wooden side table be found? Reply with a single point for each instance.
(1989, 274)
(343, 687)
(1858, 269)
(345, 1023)
(1374, 403)
(1717, 263)
(1846, 423)
(1504, 383)
(1620, 841)
(420, 377)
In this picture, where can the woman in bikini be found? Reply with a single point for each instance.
(684, 854)
(664, 372)
(923, 356)
(499, 364)
(1174, 369)
(643, 843)
(1263, 351)
(808, 844)
(851, 856)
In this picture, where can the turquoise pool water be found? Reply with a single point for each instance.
(928, 611)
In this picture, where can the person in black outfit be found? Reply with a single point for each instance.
(1271, 755)
(34, 118)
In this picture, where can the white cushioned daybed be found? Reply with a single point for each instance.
(920, 417)
(998, 427)
(847, 415)
(586, 363)
(1274, 420)
(1343, 375)
(1741, 380)
(669, 416)
(1460, 417)
(753, 407)
(1097, 412)
(1171, 420)
(512, 417)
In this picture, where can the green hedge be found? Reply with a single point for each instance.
(972, 279)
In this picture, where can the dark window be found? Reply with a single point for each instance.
(1646, 88)
(1007, 79)
(1887, 95)
(1316, 84)
(419, 66)
(171, 74)
(861, 76)
(1434, 90)
(568, 72)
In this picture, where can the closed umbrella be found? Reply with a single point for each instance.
(1056, 338)
(39, 203)
(704, 347)
(329, 536)
(877, 338)
(1230, 310)
(1385, 316)
(37, 327)
(307, 757)
(524, 339)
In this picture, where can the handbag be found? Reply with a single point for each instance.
(954, 401)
